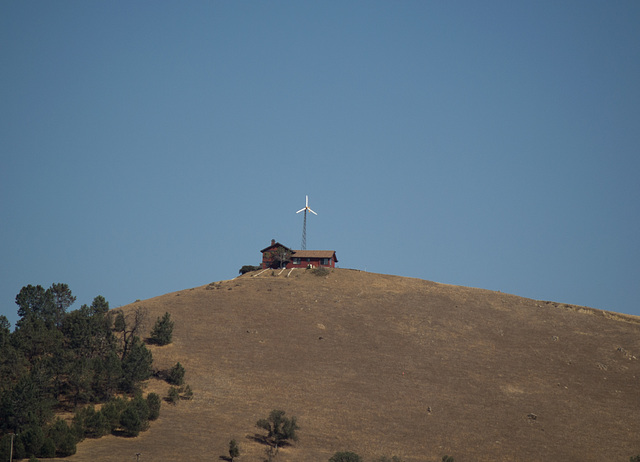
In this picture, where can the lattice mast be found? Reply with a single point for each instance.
(304, 223)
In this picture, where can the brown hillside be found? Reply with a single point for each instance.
(384, 365)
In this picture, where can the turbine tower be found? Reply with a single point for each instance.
(304, 225)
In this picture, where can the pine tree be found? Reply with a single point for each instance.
(154, 403)
(280, 429)
(234, 450)
(130, 422)
(176, 375)
(136, 365)
(162, 331)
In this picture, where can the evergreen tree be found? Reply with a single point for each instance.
(112, 411)
(107, 375)
(63, 437)
(173, 395)
(162, 331)
(136, 365)
(24, 405)
(92, 423)
(37, 302)
(48, 449)
(35, 337)
(154, 403)
(5, 331)
(13, 366)
(62, 300)
(234, 450)
(280, 429)
(5, 446)
(130, 422)
(32, 439)
(176, 375)
(141, 406)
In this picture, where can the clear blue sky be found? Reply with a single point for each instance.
(149, 147)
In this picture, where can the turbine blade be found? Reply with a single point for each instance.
(312, 212)
(301, 210)
(306, 203)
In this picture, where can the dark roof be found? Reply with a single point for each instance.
(315, 254)
(277, 244)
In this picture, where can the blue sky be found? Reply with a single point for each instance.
(149, 147)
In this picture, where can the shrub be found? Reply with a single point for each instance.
(345, 456)
(446, 458)
(321, 271)
(176, 375)
(248, 268)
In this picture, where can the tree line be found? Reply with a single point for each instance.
(58, 360)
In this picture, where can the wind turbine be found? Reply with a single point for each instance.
(304, 226)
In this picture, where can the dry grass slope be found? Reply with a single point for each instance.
(384, 365)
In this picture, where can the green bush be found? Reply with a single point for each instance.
(248, 268)
(345, 456)
(446, 458)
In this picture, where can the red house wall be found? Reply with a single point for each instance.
(315, 262)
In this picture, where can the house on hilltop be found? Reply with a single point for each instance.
(280, 256)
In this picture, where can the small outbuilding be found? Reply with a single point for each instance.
(281, 256)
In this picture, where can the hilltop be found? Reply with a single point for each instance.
(385, 365)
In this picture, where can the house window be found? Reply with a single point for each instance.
(296, 261)
(325, 261)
